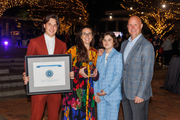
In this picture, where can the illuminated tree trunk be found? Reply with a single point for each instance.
(159, 20)
(69, 11)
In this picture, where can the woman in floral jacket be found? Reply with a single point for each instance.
(79, 104)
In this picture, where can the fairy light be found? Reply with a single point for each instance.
(151, 12)
(163, 5)
(68, 11)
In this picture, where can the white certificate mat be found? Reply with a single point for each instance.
(49, 73)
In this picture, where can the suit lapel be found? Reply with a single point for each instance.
(56, 46)
(134, 48)
(43, 45)
(102, 62)
(109, 57)
(103, 58)
(123, 48)
(126, 42)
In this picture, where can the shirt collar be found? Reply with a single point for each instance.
(48, 38)
(134, 41)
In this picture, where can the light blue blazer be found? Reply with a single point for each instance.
(138, 69)
(109, 76)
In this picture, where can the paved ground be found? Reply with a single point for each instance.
(163, 105)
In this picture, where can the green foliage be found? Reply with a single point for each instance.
(22, 14)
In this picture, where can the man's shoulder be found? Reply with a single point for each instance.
(59, 41)
(146, 45)
(117, 55)
(125, 41)
(37, 39)
(145, 41)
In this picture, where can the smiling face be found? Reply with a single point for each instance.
(51, 27)
(86, 36)
(134, 26)
(108, 42)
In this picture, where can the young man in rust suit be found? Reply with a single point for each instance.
(46, 44)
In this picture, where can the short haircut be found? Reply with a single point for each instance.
(137, 17)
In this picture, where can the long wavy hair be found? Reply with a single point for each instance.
(82, 51)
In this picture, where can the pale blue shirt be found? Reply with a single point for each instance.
(129, 46)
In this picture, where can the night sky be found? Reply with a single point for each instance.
(97, 8)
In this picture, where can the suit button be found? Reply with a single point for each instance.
(124, 69)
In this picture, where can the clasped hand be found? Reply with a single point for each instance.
(102, 93)
(138, 100)
(82, 73)
(97, 99)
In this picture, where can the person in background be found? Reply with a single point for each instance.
(107, 89)
(167, 51)
(97, 37)
(175, 50)
(149, 38)
(156, 44)
(119, 39)
(72, 37)
(161, 54)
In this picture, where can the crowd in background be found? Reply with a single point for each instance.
(165, 47)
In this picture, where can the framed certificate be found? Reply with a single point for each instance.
(48, 74)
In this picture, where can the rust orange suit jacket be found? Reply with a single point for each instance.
(37, 46)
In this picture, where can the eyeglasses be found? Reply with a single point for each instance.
(84, 34)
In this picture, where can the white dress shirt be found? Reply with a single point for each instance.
(50, 43)
(129, 46)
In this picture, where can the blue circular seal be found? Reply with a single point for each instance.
(49, 73)
(90, 63)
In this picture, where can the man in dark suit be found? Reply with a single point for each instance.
(46, 44)
(138, 60)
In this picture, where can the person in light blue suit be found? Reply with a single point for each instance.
(107, 89)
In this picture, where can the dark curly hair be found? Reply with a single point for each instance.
(115, 41)
(82, 51)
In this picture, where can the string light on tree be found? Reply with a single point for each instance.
(69, 11)
(159, 15)
(6, 4)
(163, 5)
